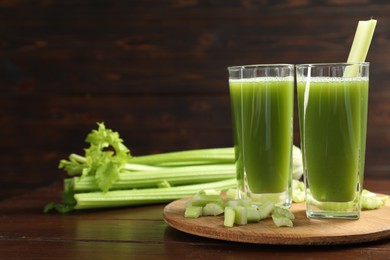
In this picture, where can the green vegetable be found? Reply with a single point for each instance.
(121, 198)
(253, 214)
(68, 200)
(282, 217)
(189, 157)
(236, 211)
(360, 45)
(281, 221)
(283, 212)
(362, 40)
(239, 202)
(240, 215)
(212, 209)
(266, 209)
(298, 191)
(105, 164)
(231, 194)
(229, 217)
(109, 176)
(371, 201)
(297, 172)
(152, 178)
(196, 203)
(211, 196)
(193, 212)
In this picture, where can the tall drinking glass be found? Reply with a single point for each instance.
(262, 98)
(332, 104)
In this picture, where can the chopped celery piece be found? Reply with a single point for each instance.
(367, 193)
(298, 191)
(297, 163)
(229, 217)
(281, 221)
(245, 202)
(266, 209)
(193, 212)
(283, 212)
(239, 202)
(236, 211)
(231, 194)
(202, 195)
(211, 197)
(371, 201)
(212, 209)
(240, 215)
(196, 202)
(253, 214)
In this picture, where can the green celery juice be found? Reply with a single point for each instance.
(333, 135)
(262, 114)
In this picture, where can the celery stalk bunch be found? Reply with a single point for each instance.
(107, 175)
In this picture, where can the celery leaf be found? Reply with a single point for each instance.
(105, 157)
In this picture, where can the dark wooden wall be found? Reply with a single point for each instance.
(156, 72)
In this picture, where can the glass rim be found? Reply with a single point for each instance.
(252, 66)
(325, 64)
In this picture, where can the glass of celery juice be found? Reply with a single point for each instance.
(261, 98)
(332, 104)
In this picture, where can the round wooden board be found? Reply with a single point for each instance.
(372, 225)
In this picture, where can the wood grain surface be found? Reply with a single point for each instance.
(141, 233)
(156, 72)
(372, 225)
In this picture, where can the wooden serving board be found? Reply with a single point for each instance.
(372, 225)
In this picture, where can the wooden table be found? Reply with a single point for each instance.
(139, 233)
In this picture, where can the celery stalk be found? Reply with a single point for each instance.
(360, 45)
(121, 198)
(173, 175)
(109, 176)
(196, 156)
(362, 40)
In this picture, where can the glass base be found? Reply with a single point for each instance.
(338, 210)
(283, 199)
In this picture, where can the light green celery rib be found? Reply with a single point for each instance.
(127, 166)
(174, 176)
(197, 156)
(360, 46)
(134, 197)
(140, 167)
